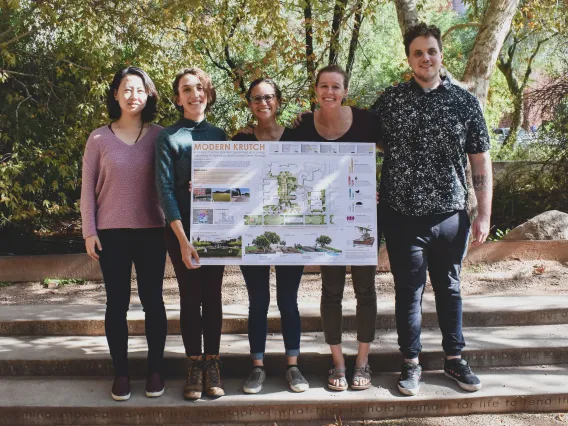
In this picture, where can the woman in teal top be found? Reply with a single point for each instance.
(199, 286)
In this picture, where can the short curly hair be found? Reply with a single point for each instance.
(150, 109)
(421, 30)
(205, 81)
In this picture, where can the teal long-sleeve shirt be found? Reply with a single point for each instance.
(173, 163)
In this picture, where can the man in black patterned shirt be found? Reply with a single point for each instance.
(430, 127)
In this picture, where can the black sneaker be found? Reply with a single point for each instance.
(459, 370)
(155, 385)
(409, 382)
(121, 388)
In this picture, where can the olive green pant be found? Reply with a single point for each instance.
(333, 284)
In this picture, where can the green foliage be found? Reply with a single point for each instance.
(273, 237)
(323, 240)
(498, 234)
(261, 242)
(57, 58)
(6, 284)
(499, 103)
(54, 71)
(61, 282)
(528, 188)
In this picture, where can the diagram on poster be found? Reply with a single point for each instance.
(284, 203)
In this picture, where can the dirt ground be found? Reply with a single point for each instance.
(478, 420)
(502, 278)
(548, 419)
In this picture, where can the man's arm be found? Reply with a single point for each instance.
(482, 174)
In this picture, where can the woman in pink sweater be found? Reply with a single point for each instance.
(123, 222)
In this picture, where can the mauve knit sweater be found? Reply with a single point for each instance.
(118, 188)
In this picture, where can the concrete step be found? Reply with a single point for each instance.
(86, 401)
(89, 355)
(88, 320)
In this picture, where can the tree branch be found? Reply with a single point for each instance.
(407, 14)
(20, 73)
(531, 59)
(16, 38)
(358, 20)
(237, 74)
(74, 64)
(310, 59)
(210, 56)
(460, 26)
(338, 13)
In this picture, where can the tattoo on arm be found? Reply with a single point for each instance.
(480, 182)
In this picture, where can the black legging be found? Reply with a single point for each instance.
(145, 248)
(201, 309)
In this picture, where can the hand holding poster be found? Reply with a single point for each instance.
(284, 203)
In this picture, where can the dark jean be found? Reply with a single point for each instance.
(201, 308)
(258, 287)
(145, 248)
(333, 284)
(416, 245)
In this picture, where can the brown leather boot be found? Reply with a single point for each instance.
(194, 383)
(213, 383)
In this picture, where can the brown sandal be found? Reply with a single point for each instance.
(337, 374)
(360, 373)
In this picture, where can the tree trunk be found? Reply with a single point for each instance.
(338, 12)
(310, 57)
(518, 112)
(492, 33)
(517, 89)
(358, 20)
(406, 13)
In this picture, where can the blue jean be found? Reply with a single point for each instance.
(258, 287)
(416, 245)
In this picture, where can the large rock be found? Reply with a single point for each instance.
(550, 225)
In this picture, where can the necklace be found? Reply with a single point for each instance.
(138, 137)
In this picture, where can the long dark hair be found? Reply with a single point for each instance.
(151, 107)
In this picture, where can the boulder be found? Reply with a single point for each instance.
(550, 225)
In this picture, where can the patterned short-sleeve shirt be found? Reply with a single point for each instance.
(427, 136)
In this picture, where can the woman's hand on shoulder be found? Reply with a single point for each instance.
(248, 129)
(91, 244)
(298, 119)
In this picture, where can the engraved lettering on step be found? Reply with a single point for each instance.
(509, 403)
(465, 405)
(425, 408)
(488, 404)
(538, 402)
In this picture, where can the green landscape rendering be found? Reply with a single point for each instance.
(218, 247)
